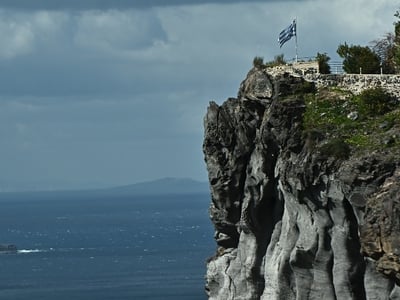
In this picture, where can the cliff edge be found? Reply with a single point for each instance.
(305, 193)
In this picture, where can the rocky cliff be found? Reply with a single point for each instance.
(301, 211)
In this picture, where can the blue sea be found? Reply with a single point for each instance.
(80, 247)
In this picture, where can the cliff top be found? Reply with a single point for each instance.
(337, 120)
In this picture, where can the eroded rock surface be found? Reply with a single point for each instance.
(290, 222)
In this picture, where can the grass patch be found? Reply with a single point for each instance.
(351, 123)
(359, 140)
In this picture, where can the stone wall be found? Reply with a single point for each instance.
(306, 67)
(356, 83)
(297, 68)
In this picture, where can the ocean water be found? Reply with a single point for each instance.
(79, 247)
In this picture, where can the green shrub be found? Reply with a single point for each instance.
(278, 61)
(305, 88)
(336, 148)
(323, 59)
(258, 62)
(376, 101)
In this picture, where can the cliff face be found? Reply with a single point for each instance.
(292, 222)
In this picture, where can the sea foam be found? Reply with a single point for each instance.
(24, 251)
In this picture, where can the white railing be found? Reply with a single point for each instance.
(336, 67)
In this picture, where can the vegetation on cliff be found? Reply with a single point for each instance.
(358, 123)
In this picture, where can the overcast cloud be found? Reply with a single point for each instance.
(115, 4)
(94, 94)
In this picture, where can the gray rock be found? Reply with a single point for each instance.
(353, 115)
(385, 125)
(289, 223)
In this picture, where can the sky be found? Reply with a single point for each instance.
(101, 93)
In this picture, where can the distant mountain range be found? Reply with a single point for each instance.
(164, 186)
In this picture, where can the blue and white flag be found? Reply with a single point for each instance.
(287, 33)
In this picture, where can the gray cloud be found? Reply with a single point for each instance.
(114, 4)
(118, 96)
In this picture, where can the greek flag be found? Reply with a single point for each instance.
(287, 33)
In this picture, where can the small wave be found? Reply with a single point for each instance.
(24, 251)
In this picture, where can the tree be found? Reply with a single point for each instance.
(386, 50)
(396, 50)
(324, 67)
(356, 57)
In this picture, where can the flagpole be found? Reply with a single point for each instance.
(295, 20)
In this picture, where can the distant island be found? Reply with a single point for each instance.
(167, 185)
